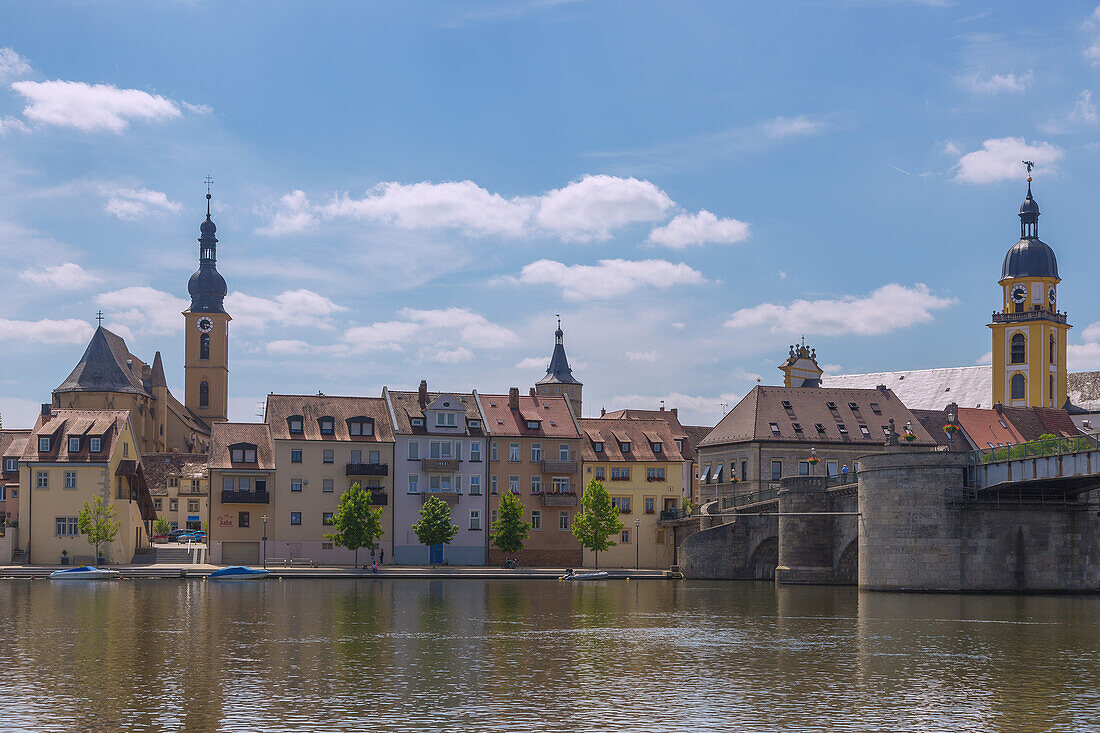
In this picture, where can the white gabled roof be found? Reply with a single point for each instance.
(927, 389)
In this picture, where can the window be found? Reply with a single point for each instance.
(66, 526)
(414, 483)
(244, 482)
(296, 484)
(831, 405)
(475, 485)
(439, 483)
(125, 449)
(475, 423)
(192, 505)
(777, 470)
(1018, 349)
(440, 449)
(158, 504)
(513, 452)
(536, 519)
(74, 445)
(563, 452)
(374, 457)
(242, 453)
(475, 451)
(328, 456)
(775, 428)
(242, 519)
(494, 451)
(744, 470)
(1018, 386)
(561, 484)
(843, 430)
(417, 422)
(295, 518)
(43, 445)
(622, 503)
(414, 450)
(650, 505)
(95, 445)
(803, 468)
(705, 476)
(854, 407)
(326, 519)
(327, 425)
(820, 427)
(657, 447)
(875, 408)
(204, 394)
(624, 537)
(227, 483)
(620, 473)
(532, 424)
(1052, 354)
(43, 480)
(261, 486)
(360, 426)
(296, 456)
(865, 430)
(536, 484)
(173, 505)
(797, 427)
(195, 484)
(493, 485)
(1003, 424)
(536, 452)
(513, 484)
(563, 521)
(475, 520)
(204, 346)
(294, 424)
(70, 479)
(717, 477)
(831, 468)
(326, 485)
(599, 473)
(658, 474)
(787, 405)
(356, 457)
(445, 420)
(624, 447)
(10, 465)
(173, 481)
(598, 446)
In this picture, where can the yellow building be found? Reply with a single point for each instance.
(180, 487)
(71, 457)
(641, 466)
(1029, 333)
(206, 353)
(242, 471)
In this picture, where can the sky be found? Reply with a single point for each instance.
(415, 190)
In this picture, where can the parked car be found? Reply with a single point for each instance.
(195, 536)
(171, 536)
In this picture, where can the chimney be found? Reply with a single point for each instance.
(513, 398)
(881, 388)
(998, 407)
(532, 391)
(674, 413)
(603, 411)
(46, 407)
(422, 393)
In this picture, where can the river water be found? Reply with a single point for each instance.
(411, 655)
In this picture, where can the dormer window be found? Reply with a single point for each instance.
(775, 428)
(875, 408)
(787, 404)
(445, 420)
(95, 445)
(532, 424)
(598, 447)
(624, 447)
(657, 447)
(74, 445)
(831, 405)
(417, 422)
(865, 430)
(327, 425)
(242, 453)
(361, 427)
(44, 444)
(474, 423)
(797, 427)
(820, 427)
(854, 407)
(294, 424)
(843, 430)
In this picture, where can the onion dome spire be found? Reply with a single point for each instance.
(207, 286)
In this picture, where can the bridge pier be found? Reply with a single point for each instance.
(805, 541)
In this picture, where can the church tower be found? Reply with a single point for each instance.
(559, 378)
(206, 354)
(1029, 333)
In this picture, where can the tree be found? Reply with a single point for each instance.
(509, 530)
(434, 526)
(597, 520)
(99, 521)
(357, 522)
(162, 527)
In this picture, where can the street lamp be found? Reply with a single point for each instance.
(813, 460)
(637, 544)
(265, 541)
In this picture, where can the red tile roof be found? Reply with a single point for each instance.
(640, 434)
(62, 424)
(550, 411)
(313, 407)
(225, 434)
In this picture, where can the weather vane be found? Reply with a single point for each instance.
(1029, 165)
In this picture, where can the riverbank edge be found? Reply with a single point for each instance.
(24, 572)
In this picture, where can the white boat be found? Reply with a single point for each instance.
(598, 575)
(85, 572)
(238, 572)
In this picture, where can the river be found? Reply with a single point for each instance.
(412, 655)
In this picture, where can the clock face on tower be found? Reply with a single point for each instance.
(1018, 293)
(1051, 295)
(205, 325)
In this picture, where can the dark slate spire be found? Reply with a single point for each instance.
(207, 286)
(1030, 257)
(559, 370)
(105, 367)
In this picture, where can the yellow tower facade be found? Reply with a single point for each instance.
(206, 352)
(1029, 332)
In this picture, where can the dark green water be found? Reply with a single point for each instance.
(410, 655)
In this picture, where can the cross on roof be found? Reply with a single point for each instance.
(99, 317)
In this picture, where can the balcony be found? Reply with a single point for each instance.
(558, 466)
(367, 469)
(673, 515)
(449, 495)
(439, 465)
(1038, 315)
(379, 498)
(246, 497)
(560, 498)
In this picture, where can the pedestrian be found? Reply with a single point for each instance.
(844, 468)
(382, 556)
(372, 556)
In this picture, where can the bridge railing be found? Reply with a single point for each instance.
(732, 502)
(1036, 449)
(843, 479)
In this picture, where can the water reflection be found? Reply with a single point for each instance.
(410, 655)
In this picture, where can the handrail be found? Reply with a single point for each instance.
(729, 502)
(843, 479)
(1035, 449)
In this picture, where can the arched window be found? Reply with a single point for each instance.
(204, 346)
(1019, 386)
(1052, 349)
(204, 394)
(1019, 349)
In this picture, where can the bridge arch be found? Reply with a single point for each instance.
(765, 559)
(847, 564)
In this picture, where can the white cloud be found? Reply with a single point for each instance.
(532, 362)
(985, 359)
(997, 83)
(608, 278)
(11, 124)
(1000, 159)
(92, 107)
(1091, 332)
(67, 276)
(699, 228)
(132, 204)
(472, 328)
(1084, 356)
(1092, 51)
(445, 335)
(591, 207)
(779, 128)
(382, 336)
(1084, 110)
(451, 356)
(302, 308)
(143, 309)
(69, 331)
(888, 308)
(643, 355)
(12, 65)
(587, 209)
(690, 409)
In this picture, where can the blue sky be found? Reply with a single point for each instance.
(413, 190)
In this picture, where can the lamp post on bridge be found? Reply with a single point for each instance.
(637, 543)
(265, 541)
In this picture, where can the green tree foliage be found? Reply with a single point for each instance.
(99, 521)
(434, 526)
(509, 530)
(162, 527)
(597, 520)
(357, 522)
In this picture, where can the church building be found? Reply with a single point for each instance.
(559, 379)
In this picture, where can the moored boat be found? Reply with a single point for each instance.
(238, 572)
(598, 575)
(86, 572)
